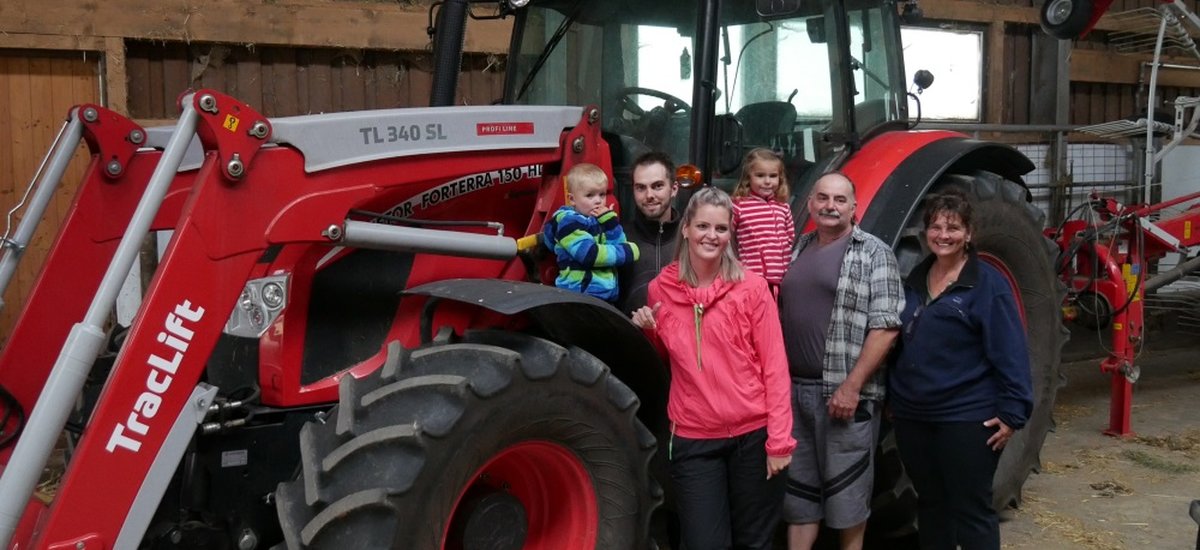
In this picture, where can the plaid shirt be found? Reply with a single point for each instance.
(869, 296)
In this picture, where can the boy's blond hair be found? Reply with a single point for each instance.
(585, 175)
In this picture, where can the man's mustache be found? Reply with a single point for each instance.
(829, 213)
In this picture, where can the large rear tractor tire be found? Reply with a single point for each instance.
(1008, 235)
(500, 441)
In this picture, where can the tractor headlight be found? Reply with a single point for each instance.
(258, 306)
(272, 295)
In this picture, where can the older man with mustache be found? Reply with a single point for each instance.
(840, 305)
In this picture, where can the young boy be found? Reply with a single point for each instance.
(586, 236)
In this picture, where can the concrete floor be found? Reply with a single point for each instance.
(1100, 492)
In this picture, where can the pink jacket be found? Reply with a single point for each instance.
(729, 373)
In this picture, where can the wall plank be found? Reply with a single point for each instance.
(331, 23)
(37, 88)
(291, 81)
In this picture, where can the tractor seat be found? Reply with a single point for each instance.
(761, 122)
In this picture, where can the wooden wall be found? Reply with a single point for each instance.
(284, 81)
(1104, 85)
(37, 88)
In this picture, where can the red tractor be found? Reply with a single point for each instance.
(343, 343)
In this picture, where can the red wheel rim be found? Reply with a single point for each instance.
(553, 486)
(1012, 282)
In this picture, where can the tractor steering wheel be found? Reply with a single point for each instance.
(651, 126)
(672, 104)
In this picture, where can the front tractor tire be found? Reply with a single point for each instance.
(499, 441)
(1008, 234)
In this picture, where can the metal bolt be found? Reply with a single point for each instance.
(258, 129)
(136, 137)
(113, 167)
(236, 167)
(91, 114)
(593, 115)
(333, 233)
(577, 145)
(248, 540)
(208, 103)
(80, 545)
(176, 536)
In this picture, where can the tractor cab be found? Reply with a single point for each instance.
(707, 81)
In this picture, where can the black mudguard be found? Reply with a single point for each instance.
(572, 319)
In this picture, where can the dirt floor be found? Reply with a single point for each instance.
(1101, 492)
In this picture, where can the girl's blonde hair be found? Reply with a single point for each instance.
(731, 268)
(762, 154)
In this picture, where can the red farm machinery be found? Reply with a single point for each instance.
(349, 339)
(1114, 255)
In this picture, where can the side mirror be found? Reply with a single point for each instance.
(911, 13)
(729, 138)
(922, 79)
(815, 26)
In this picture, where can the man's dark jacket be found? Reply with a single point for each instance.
(656, 242)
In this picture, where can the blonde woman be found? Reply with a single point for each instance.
(730, 403)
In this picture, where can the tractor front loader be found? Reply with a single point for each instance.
(281, 292)
(350, 338)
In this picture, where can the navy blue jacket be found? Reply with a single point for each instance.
(963, 356)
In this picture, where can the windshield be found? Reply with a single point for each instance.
(773, 76)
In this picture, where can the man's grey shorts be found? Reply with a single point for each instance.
(832, 469)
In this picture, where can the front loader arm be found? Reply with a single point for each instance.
(70, 370)
(91, 230)
(248, 199)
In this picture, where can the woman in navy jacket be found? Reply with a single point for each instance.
(961, 382)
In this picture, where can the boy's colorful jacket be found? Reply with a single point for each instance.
(588, 250)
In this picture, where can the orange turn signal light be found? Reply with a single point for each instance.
(689, 176)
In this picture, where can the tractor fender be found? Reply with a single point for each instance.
(572, 319)
(893, 172)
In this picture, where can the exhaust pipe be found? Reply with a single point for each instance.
(448, 39)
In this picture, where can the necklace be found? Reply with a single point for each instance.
(938, 283)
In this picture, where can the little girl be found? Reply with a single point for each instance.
(762, 218)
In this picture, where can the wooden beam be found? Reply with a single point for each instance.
(1106, 67)
(996, 81)
(978, 12)
(116, 79)
(318, 23)
(25, 41)
(153, 122)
